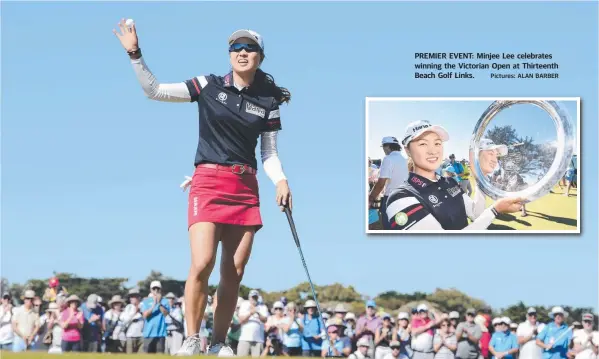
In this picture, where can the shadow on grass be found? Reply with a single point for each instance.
(562, 220)
(500, 227)
(511, 218)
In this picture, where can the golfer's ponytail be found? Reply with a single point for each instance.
(410, 164)
(281, 94)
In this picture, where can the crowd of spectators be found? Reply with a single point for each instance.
(155, 324)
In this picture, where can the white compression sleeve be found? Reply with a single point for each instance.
(176, 92)
(270, 158)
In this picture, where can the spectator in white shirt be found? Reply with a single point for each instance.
(252, 317)
(393, 173)
(133, 323)
(527, 335)
(362, 352)
(53, 328)
(585, 341)
(113, 325)
(275, 322)
(25, 323)
(445, 342)
(174, 325)
(6, 332)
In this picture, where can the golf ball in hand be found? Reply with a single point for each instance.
(129, 22)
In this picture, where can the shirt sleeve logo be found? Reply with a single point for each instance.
(255, 110)
(401, 219)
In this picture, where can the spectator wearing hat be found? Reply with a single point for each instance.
(454, 319)
(155, 309)
(445, 343)
(383, 337)
(527, 336)
(423, 333)
(235, 328)
(276, 320)
(334, 345)
(313, 331)
(350, 330)
(468, 335)
(6, 314)
(395, 352)
(513, 328)
(133, 323)
(368, 324)
(555, 338)
(25, 323)
(174, 325)
(361, 352)
(402, 334)
(113, 325)
(392, 174)
(585, 341)
(52, 337)
(72, 320)
(340, 311)
(504, 344)
(252, 317)
(94, 317)
(292, 331)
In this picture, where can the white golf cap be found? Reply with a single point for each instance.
(310, 304)
(250, 34)
(349, 316)
(454, 315)
(496, 321)
(417, 128)
(388, 140)
(278, 305)
(155, 284)
(557, 310)
(363, 342)
(505, 320)
(531, 310)
(422, 308)
(340, 308)
(514, 326)
(403, 315)
(253, 293)
(29, 294)
(486, 144)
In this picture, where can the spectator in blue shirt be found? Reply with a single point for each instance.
(556, 336)
(337, 347)
(456, 165)
(93, 314)
(155, 308)
(504, 343)
(313, 331)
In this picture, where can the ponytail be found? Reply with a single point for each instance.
(281, 94)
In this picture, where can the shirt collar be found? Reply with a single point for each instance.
(229, 82)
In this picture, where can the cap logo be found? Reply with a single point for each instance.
(415, 129)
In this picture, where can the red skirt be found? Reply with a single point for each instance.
(217, 195)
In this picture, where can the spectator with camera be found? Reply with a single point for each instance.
(313, 333)
(273, 345)
(113, 325)
(6, 313)
(174, 325)
(155, 309)
(252, 316)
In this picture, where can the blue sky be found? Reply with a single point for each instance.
(91, 168)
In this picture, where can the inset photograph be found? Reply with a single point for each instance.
(449, 165)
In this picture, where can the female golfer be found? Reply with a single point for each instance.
(428, 201)
(234, 110)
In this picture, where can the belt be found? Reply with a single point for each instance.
(237, 169)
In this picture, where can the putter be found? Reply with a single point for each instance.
(299, 248)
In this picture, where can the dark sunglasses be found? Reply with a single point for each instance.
(246, 47)
(156, 288)
(333, 332)
(587, 321)
(278, 308)
(395, 348)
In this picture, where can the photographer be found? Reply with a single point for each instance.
(273, 345)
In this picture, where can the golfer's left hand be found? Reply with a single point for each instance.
(283, 195)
